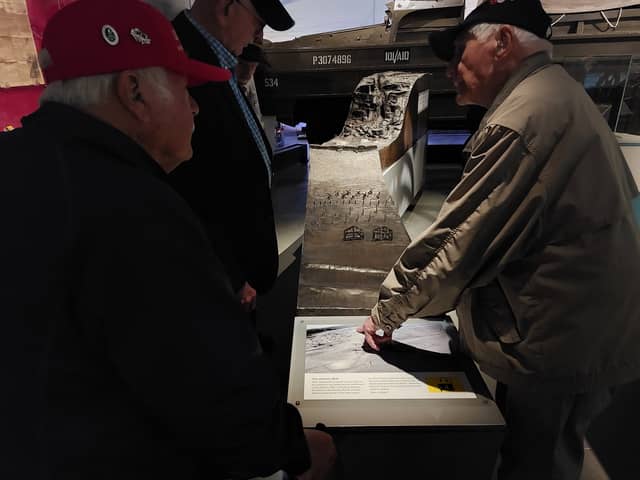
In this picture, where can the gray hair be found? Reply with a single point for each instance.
(529, 40)
(85, 92)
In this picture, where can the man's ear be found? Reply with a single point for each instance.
(130, 92)
(504, 41)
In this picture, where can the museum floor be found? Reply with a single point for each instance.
(615, 448)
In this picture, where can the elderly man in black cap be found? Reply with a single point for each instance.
(537, 246)
(230, 145)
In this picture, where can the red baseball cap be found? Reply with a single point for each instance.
(94, 37)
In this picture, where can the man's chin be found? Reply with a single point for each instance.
(462, 100)
(185, 157)
(239, 48)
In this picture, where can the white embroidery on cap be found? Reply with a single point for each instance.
(140, 37)
(110, 35)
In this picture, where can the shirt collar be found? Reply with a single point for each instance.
(225, 57)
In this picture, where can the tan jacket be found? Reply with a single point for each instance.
(537, 246)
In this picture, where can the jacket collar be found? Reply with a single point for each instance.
(225, 57)
(530, 65)
(67, 124)
(193, 42)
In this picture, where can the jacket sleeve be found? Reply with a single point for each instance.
(486, 221)
(177, 338)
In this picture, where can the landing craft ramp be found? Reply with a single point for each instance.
(353, 233)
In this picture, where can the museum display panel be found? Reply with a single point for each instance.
(425, 406)
(613, 82)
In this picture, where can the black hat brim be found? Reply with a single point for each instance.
(443, 42)
(274, 14)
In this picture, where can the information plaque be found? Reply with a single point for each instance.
(416, 409)
(415, 381)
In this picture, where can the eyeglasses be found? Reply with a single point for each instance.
(251, 9)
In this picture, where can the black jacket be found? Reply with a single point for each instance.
(240, 225)
(115, 359)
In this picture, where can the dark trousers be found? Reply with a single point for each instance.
(545, 431)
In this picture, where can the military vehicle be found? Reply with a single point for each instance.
(312, 78)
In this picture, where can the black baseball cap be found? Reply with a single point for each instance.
(526, 14)
(274, 14)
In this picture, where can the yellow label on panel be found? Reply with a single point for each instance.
(449, 383)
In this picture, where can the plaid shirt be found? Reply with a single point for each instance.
(228, 60)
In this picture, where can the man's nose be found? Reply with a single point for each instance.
(450, 70)
(195, 109)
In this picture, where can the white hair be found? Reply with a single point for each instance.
(84, 92)
(529, 40)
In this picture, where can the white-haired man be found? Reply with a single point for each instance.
(536, 247)
(113, 303)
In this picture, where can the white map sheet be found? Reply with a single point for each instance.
(337, 367)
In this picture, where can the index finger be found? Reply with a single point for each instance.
(371, 341)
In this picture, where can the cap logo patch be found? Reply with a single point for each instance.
(110, 35)
(140, 37)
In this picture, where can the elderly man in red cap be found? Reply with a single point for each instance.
(536, 247)
(113, 303)
(231, 146)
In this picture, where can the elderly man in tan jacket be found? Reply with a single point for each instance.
(536, 248)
